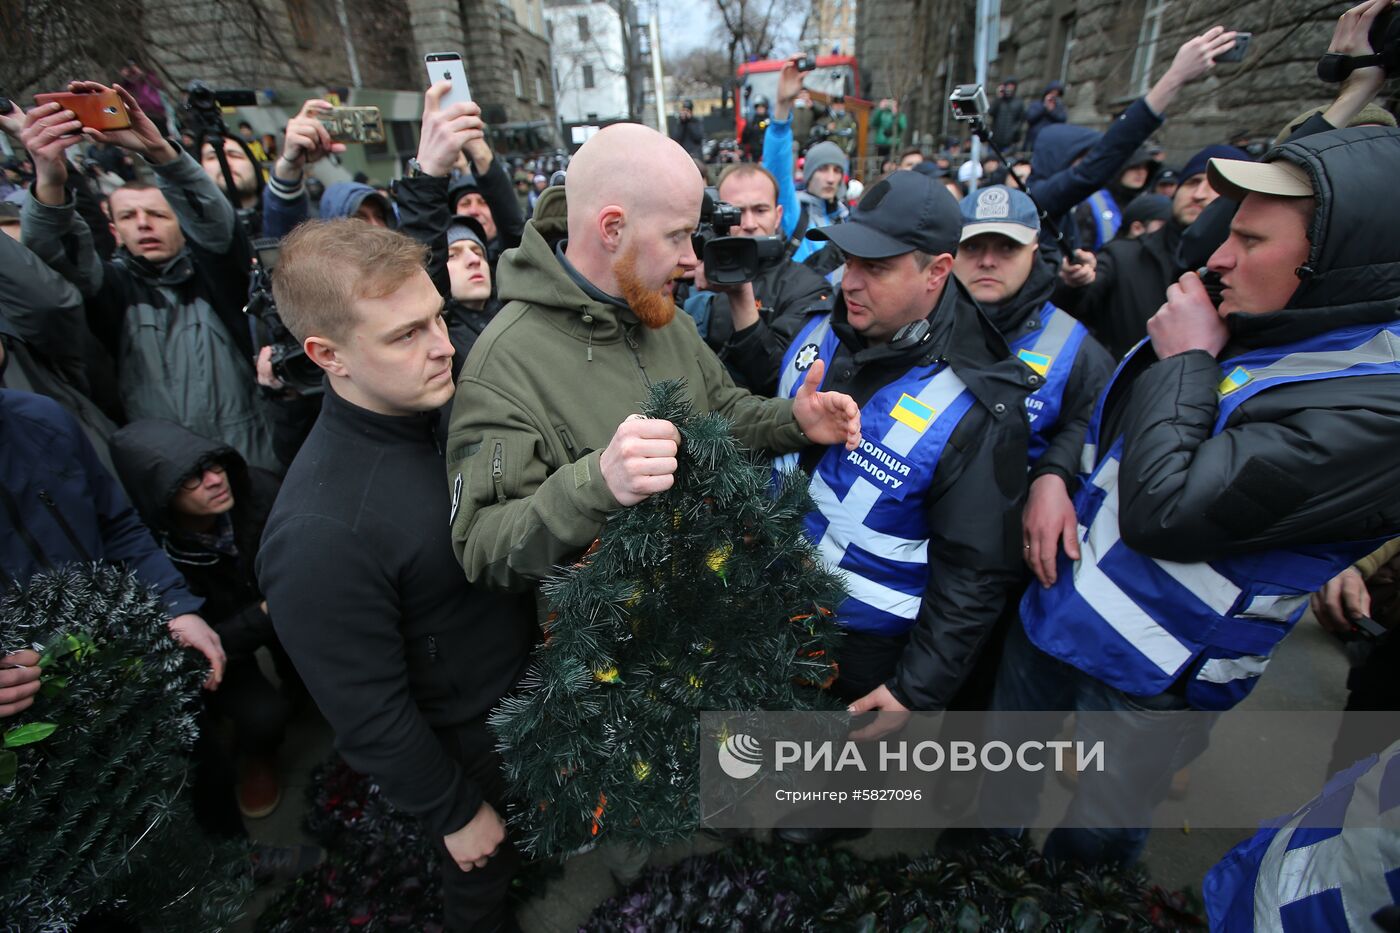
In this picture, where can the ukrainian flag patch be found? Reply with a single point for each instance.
(1036, 361)
(1238, 378)
(912, 413)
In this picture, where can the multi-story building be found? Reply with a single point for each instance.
(364, 52)
(590, 44)
(830, 27)
(1108, 52)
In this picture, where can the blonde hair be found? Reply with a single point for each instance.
(325, 265)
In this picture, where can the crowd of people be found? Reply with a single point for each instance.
(1132, 418)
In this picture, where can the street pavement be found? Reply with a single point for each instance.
(1308, 673)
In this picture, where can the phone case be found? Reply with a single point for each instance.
(103, 111)
(354, 124)
(442, 67)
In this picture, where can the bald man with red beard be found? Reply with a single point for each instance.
(546, 438)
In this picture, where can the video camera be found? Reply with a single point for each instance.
(289, 360)
(731, 260)
(1384, 37)
(968, 103)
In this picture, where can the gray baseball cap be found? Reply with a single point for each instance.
(1000, 209)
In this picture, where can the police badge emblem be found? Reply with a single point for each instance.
(806, 357)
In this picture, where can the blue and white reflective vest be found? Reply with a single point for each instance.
(870, 522)
(1050, 350)
(1107, 217)
(1328, 866)
(1137, 623)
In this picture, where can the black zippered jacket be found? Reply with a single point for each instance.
(1305, 463)
(153, 458)
(368, 600)
(59, 505)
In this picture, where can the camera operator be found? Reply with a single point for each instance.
(245, 173)
(169, 305)
(750, 326)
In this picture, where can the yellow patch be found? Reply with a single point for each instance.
(1238, 378)
(912, 413)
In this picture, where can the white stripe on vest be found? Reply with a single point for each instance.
(847, 516)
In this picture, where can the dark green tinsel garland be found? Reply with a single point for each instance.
(1000, 885)
(95, 777)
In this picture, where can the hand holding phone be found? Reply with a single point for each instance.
(353, 124)
(103, 110)
(1236, 52)
(447, 66)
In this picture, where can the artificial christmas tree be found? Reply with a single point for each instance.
(95, 808)
(708, 596)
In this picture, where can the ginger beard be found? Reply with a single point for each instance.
(653, 307)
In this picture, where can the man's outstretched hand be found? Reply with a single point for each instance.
(826, 417)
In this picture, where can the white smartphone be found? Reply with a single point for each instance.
(447, 66)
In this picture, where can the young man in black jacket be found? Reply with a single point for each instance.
(206, 508)
(402, 655)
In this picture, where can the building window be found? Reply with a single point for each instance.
(303, 23)
(588, 76)
(1145, 55)
(583, 34)
(518, 74)
(541, 82)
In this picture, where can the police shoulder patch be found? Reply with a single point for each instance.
(806, 357)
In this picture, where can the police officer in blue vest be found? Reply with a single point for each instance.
(923, 516)
(1000, 264)
(1239, 458)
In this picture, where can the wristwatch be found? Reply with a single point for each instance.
(415, 170)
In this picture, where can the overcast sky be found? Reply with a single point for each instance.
(687, 25)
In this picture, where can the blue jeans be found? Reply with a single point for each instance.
(1109, 807)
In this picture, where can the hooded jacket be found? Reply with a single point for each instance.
(1057, 184)
(152, 459)
(975, 494)
(1302, 463)
(1008, 115)
(1130, 284)
(1039, 118)
(544, 390)
(59, 505)
(1019, 316)
(176, 330)
(344, 198)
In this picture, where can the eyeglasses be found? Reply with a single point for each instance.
(196, 479)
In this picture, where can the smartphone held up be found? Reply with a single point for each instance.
(102, 111)
(447, 66)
